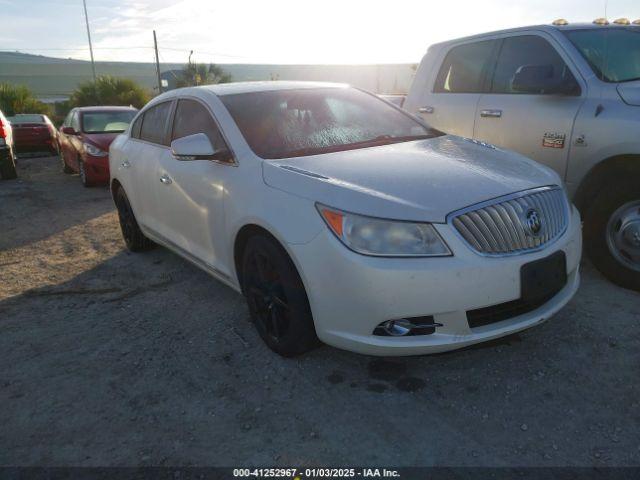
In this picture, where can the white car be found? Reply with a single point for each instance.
(342, 218)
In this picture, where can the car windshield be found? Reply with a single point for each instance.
(613, 53)
(107, 122)
(299, 122)
(18, 119)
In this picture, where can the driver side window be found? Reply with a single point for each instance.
(525, 50)
(192, 117)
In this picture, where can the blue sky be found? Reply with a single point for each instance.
(273, 31)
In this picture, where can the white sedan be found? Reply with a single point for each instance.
(342, 218)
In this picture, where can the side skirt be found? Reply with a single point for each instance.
(214, 272)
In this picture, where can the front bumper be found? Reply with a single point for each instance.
(350, 294)
(97, 168)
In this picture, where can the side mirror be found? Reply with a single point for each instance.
(69, 131)
(197, 147)
(537, 79)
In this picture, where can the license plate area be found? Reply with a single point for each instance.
(543, 278)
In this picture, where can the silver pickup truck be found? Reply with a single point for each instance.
(566, 95)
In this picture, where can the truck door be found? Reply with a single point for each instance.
(446, 97)
(536, 124)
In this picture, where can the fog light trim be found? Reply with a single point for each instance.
(407, 327)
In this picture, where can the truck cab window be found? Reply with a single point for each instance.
(464, 68)
(525, 50)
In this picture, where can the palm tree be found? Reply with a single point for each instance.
(19, 99)
(194, 74)
(109, 91)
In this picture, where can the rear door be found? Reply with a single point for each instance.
(538, 125)
(149, 143)
(449, 100)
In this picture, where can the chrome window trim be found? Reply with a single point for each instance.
(512, 196)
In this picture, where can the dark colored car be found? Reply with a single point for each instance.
(7, 157)
(84, 140)
(33, 133)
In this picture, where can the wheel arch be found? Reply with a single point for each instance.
(114, 186)
(611, 169)
(240, 242)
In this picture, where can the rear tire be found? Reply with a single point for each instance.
(612, 234)
(277, 300)
(8, 167)
(135, 240)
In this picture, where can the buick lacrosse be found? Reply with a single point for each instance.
(343, 219)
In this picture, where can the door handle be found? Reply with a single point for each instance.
(426, 109)
(165, 179)
(125, 164)
(491, 113)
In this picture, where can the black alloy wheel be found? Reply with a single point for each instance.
(276, 297)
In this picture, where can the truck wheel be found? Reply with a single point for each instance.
(8, 167)
(135, 240)
(277, 300)
(612, 234)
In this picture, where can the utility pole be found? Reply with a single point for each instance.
(86, 18)
(155, 46)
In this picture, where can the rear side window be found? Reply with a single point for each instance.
(154, 123)
(520, 51)
(464, 68)
(135, 128)
(192, 117)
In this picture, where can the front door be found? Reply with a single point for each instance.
(539, 125)
(191, 192)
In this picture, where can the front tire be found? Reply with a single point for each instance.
(277, 300)
(65, 167)
(84, 178)
(612, 234)
(135, 240)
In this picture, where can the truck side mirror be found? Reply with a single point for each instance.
(540, 79)
(69, 131)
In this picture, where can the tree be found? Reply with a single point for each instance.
(109, 91)
(16, 99)
(194, 74)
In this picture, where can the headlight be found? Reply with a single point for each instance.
(94, 151)
(386, 238)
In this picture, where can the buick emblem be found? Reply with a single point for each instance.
(533, 222)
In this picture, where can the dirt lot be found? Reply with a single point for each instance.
(111, 358)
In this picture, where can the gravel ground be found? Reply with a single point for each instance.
(112, 358)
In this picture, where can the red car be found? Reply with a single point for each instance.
(85, 137)
(33, 133)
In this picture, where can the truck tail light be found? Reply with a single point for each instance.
(3, 133)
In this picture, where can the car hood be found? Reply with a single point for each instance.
(100, 140)
(422, 180)
(630, 93)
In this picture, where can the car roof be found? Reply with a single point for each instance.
(99, 108)
(264, 86)
(544, 28)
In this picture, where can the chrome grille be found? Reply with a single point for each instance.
(507, 225)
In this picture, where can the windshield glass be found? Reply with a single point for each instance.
(107, 122)
(18, 119)
(294, 123)
(613, 53)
